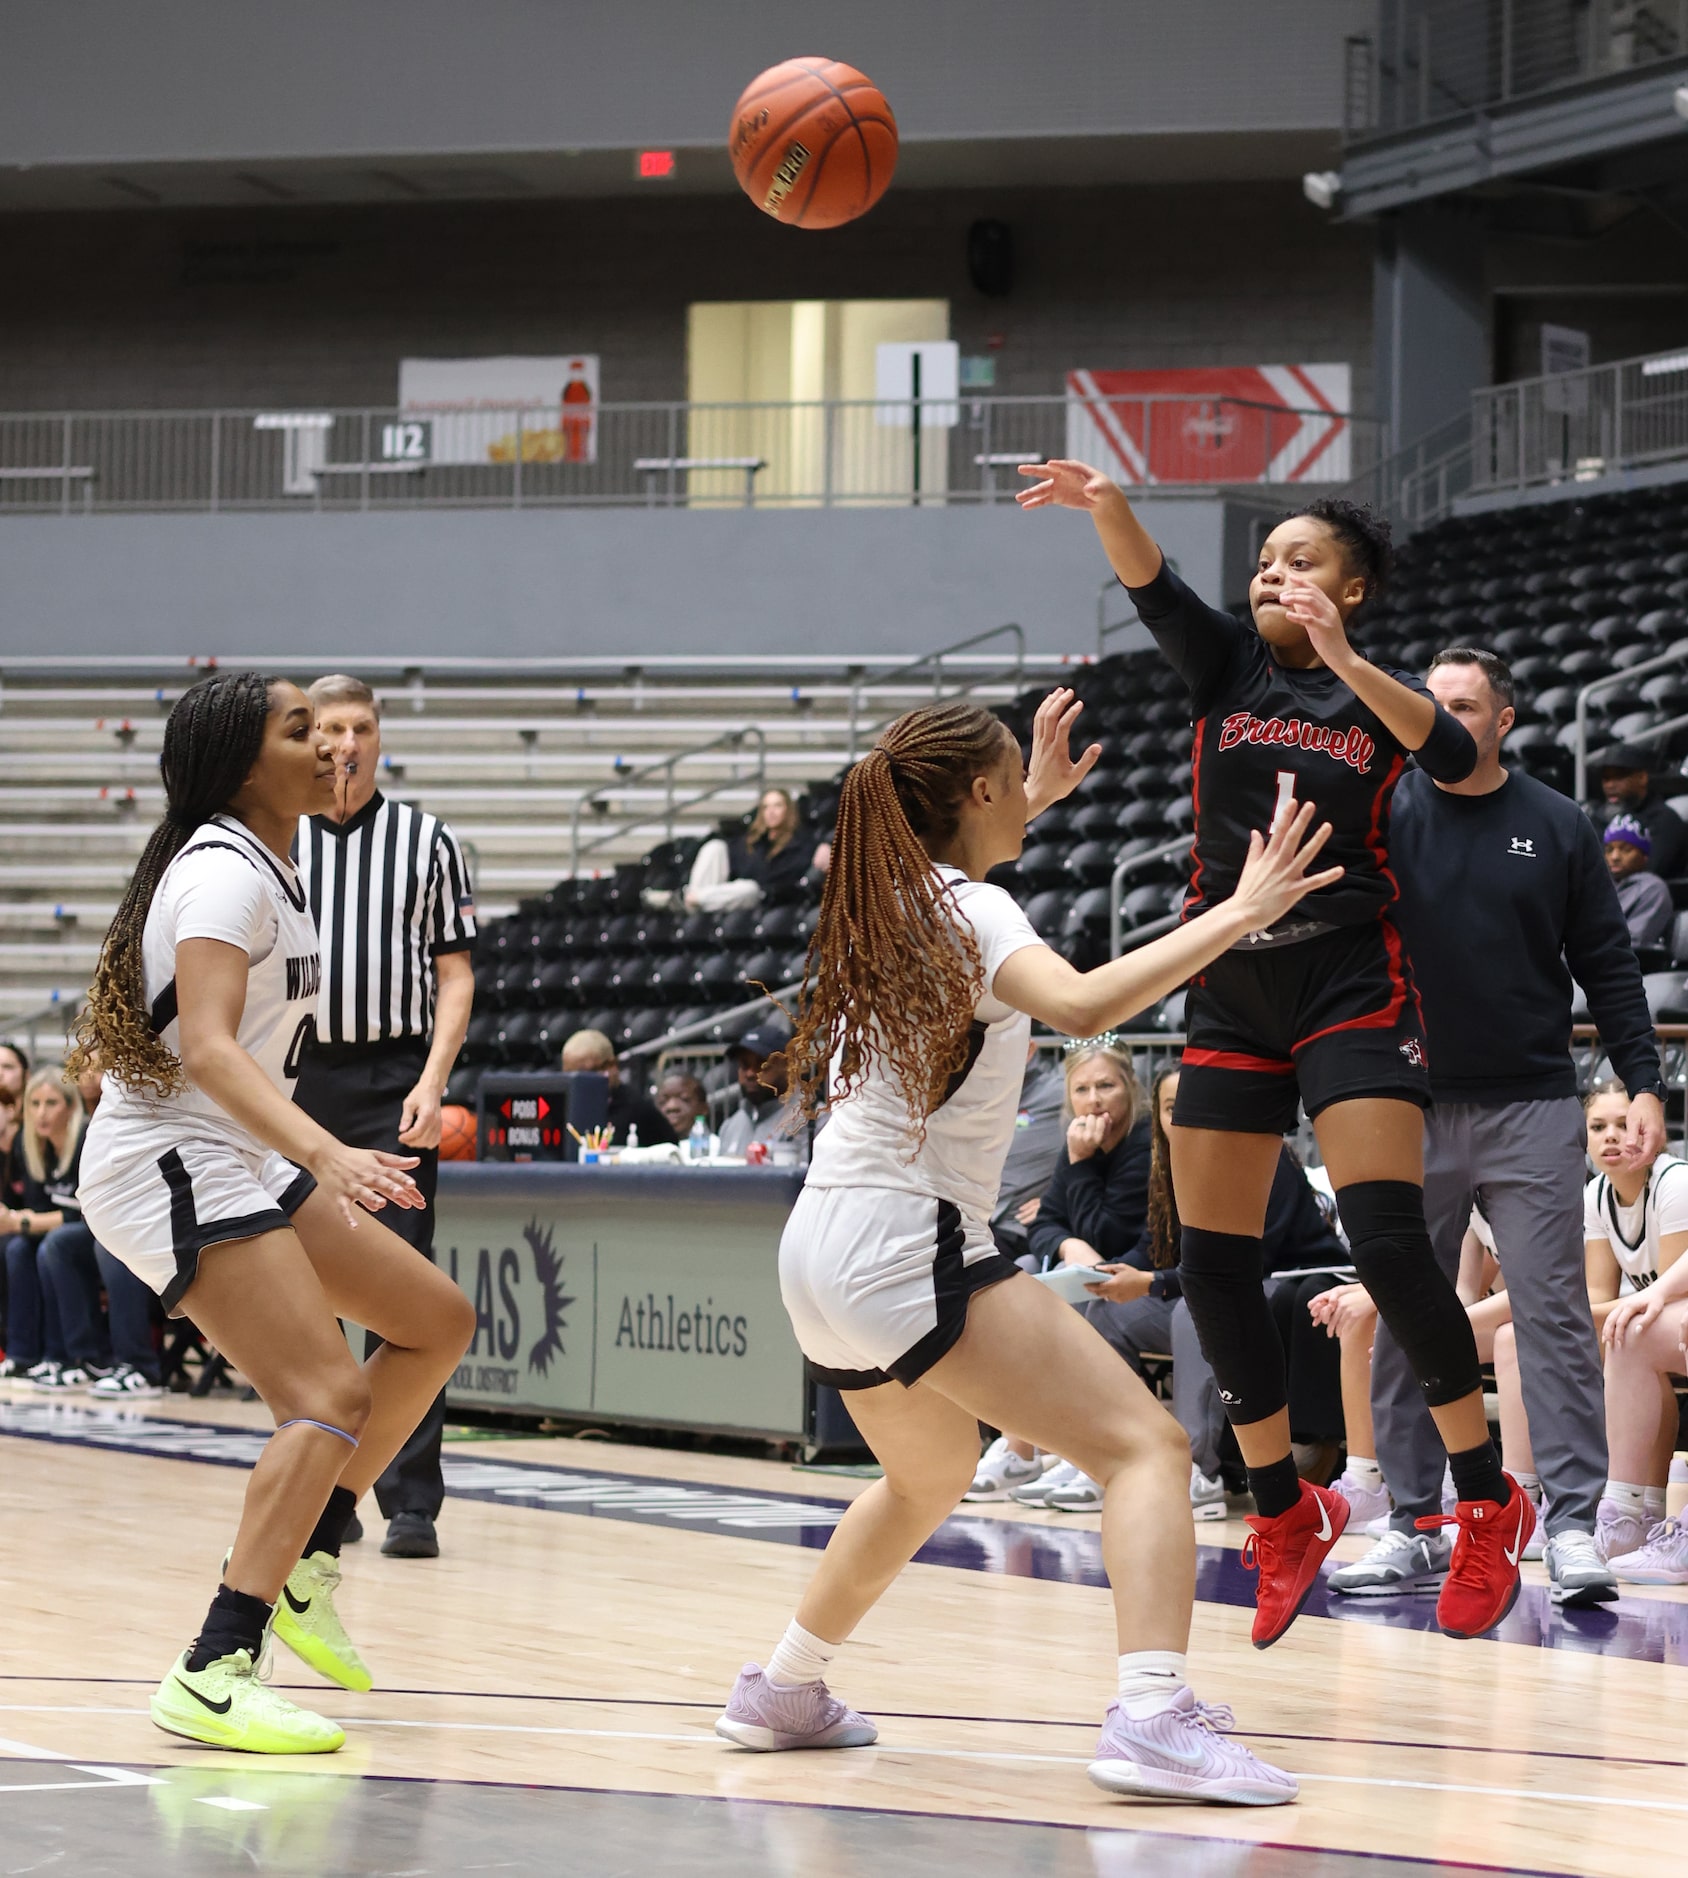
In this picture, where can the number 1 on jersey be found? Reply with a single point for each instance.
(1286, 797)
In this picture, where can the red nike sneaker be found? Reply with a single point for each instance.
(1483, 1581)
(1287, 1552)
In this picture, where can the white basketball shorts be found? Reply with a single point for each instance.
(158, 1207)
(876, 1281)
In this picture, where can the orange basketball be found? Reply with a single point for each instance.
(457, 1133)
(813, 143)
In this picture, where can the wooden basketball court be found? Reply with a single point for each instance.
(546, 1689)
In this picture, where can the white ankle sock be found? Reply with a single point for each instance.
(1367, 1473)
(1631, 1499)
(1148, 1680)
(1531, 1483)
(1652, 1504)
(799, 1657)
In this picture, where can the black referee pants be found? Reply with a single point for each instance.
(357, 1092)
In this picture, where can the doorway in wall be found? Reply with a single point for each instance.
(791, 384)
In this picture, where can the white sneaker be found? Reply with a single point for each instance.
(125, 1384)
(1365, 1503)
(1663, 1560)
(1037, 1492)
(1079, 1495)
(1207, 1494)
(1577, 1575)
(1400, 1565)
(1001, 1470)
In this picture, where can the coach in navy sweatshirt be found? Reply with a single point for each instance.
(1505, 897)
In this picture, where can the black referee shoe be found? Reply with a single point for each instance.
(410, 1535)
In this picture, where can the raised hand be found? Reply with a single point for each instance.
(1315, 612)
(1052, 772)
(1064, 484)
(1275, 876)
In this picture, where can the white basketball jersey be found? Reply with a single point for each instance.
(225, 884)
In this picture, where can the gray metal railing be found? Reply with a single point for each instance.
(1615, 681)
(1434, 60)
(1419, 483)
(1577, 426)
(836, 453)
(1124, 868)
(900, 675)
(671, 805)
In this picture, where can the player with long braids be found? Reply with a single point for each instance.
(241, 1212)
(1317, 1010)
(919, 989)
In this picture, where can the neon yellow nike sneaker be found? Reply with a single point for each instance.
(307, 1622)
(227, 1705)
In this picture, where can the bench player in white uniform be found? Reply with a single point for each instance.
(922, 981)
(200, 1174)
(1635, 1233)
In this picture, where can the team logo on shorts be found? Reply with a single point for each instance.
(1413, 1051)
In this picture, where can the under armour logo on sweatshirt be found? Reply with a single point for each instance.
(1523, 844)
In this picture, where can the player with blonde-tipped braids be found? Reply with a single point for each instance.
(919, 991)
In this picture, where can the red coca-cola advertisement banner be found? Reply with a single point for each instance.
(1213, 424)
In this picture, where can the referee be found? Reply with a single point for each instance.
(395, 921)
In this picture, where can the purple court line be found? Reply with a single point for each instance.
(911, 1714)
(1638, 1630)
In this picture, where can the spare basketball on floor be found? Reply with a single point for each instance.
(813, 143)
(457, 1133)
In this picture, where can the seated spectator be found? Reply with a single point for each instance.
(682, 1099)
(766, 862)
(629, 1109)
(50, 1140)
(1643, 897)
(1032, 1154)
(764, 1114)
(1097, 1201)
(14, 1073)
(1626, 788)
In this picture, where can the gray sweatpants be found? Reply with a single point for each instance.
(1523, 1163)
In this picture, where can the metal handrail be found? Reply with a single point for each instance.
(664, 766)
(1612, 682)
(27, 1024)
(936, 661)
(1131, 864)
(688, 1033)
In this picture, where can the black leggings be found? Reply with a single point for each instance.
(1313, 1360)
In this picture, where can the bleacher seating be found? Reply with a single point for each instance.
(1567, 591)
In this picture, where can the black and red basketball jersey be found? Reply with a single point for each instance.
(1264, 732)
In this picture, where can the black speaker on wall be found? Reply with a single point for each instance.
(990, 257)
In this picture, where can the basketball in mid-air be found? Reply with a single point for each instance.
(457, 1133)
(813, 143)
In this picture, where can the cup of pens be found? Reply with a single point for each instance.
(594, 1144)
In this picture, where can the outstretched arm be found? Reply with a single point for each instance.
(1132, 551)
(1040, 982)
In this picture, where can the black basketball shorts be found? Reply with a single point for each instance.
(1333, 1019)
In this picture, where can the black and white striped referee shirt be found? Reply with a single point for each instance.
(389, 893)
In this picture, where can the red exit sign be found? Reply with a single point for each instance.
(656, 164)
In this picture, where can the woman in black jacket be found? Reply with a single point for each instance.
(1095, 1205)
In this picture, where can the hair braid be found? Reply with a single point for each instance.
(891, 976)
(211, 740)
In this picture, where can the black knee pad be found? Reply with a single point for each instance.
(1384, 1220)
(1222, 1278)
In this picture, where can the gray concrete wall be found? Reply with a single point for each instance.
(574, 583)
(106, 81)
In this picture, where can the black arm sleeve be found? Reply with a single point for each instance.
(1197, 640)
(1603, 962)
(1449, 753)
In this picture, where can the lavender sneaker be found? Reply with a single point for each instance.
(762, 1716)
(1663, 1560)
(1182, 1753)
